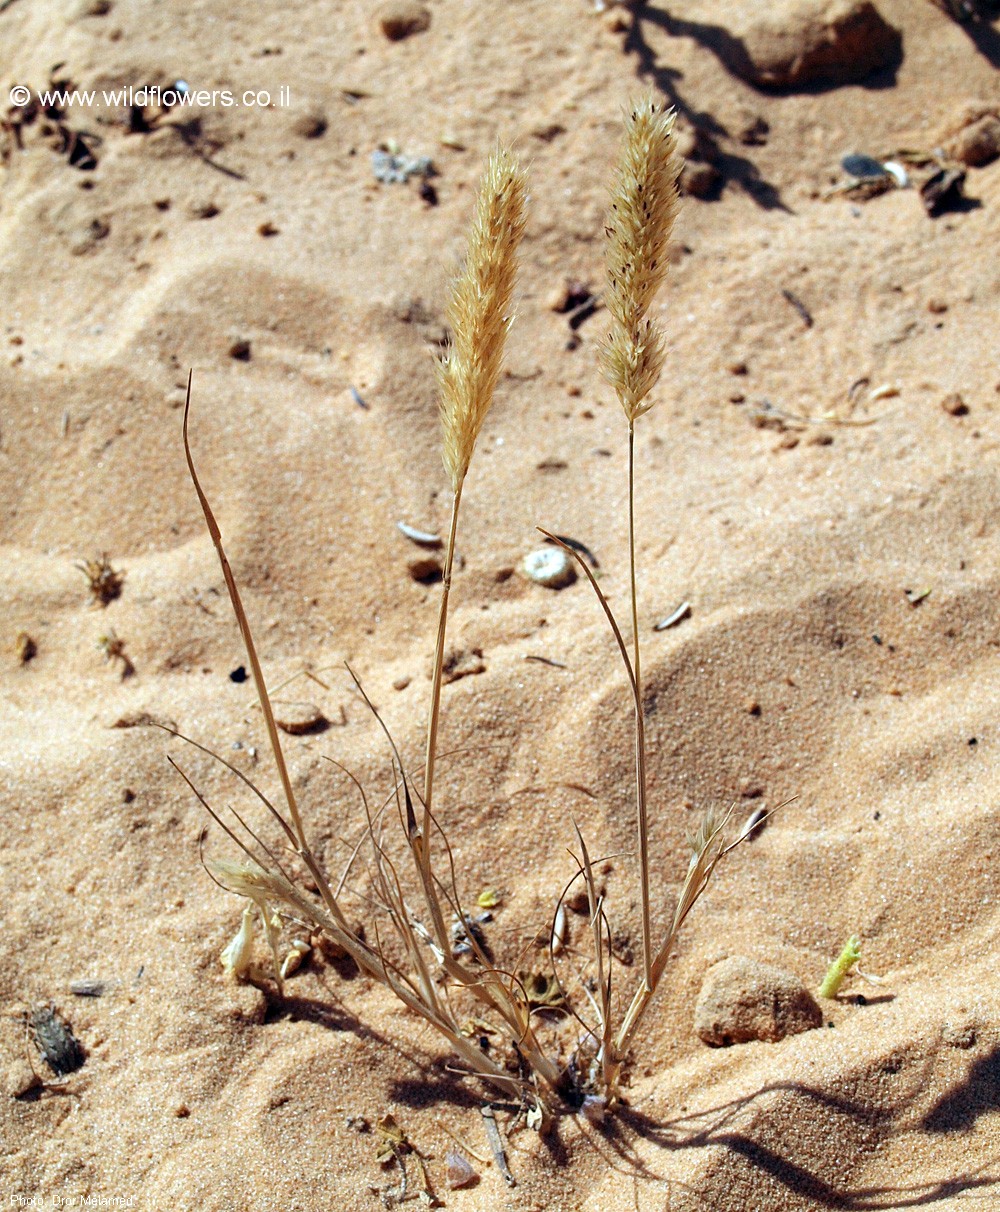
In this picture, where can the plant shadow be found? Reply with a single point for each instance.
(717, 1127)
(735, 168)
(976, 1095)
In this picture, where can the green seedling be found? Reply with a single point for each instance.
(840, 967)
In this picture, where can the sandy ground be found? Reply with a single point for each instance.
(803, 670)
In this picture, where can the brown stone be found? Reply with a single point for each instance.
(700, 180)
(954, 405)
(401, 18)
(795, 43)
(977, 143)
(743, 999)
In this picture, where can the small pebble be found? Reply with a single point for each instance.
(88, 988)
(978, 143)
(25, 647)
(863, 167)
(310, 126)
(203, 210)
(460, 1171)
(402, 18)
(462, 663)
(300, 719)
(954, 405)
(549, 566)
(240, 350)
(401, 683)
(700, 180)
(395, 168)
(425, 569)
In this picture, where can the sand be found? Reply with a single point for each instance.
(803, 669)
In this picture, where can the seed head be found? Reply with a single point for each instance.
(479, 312)
(644, 204)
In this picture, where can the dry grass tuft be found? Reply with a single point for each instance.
(104, 581)
(411, 903)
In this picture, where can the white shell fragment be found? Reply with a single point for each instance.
(897, 172)
(549, 566)
(460, 1171)
(559, 930)
(422, 538)
(753, 824)
(682, 612)
(293, 960)
(237, 955)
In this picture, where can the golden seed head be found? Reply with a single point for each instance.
(644, 204)
(479, 311)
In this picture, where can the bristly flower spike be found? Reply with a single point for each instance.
(644, 204)
(479, 313)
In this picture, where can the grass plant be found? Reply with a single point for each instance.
(409, 950)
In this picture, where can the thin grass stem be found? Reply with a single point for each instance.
(640, 731)
(438, 673)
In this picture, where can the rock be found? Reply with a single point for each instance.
(401, 18)
(954, 405)
(462, 663)
(742, 999)
(700, 180)
(973, 136)
(795, 43)
(426, 569)
(549, 566)
(299, 719)
(943, 191)
(395, 168)
(312, 125)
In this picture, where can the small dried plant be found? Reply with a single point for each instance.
(103, 580)
(412, 918)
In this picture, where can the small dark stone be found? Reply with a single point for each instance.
(700, 180)
(944, 191)
(863, 167)
(238, 675)
(310, 126)
(425, 569)
(401, 18)
(954, 405)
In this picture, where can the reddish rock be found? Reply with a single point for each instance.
(803, 42)
(742, 999)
